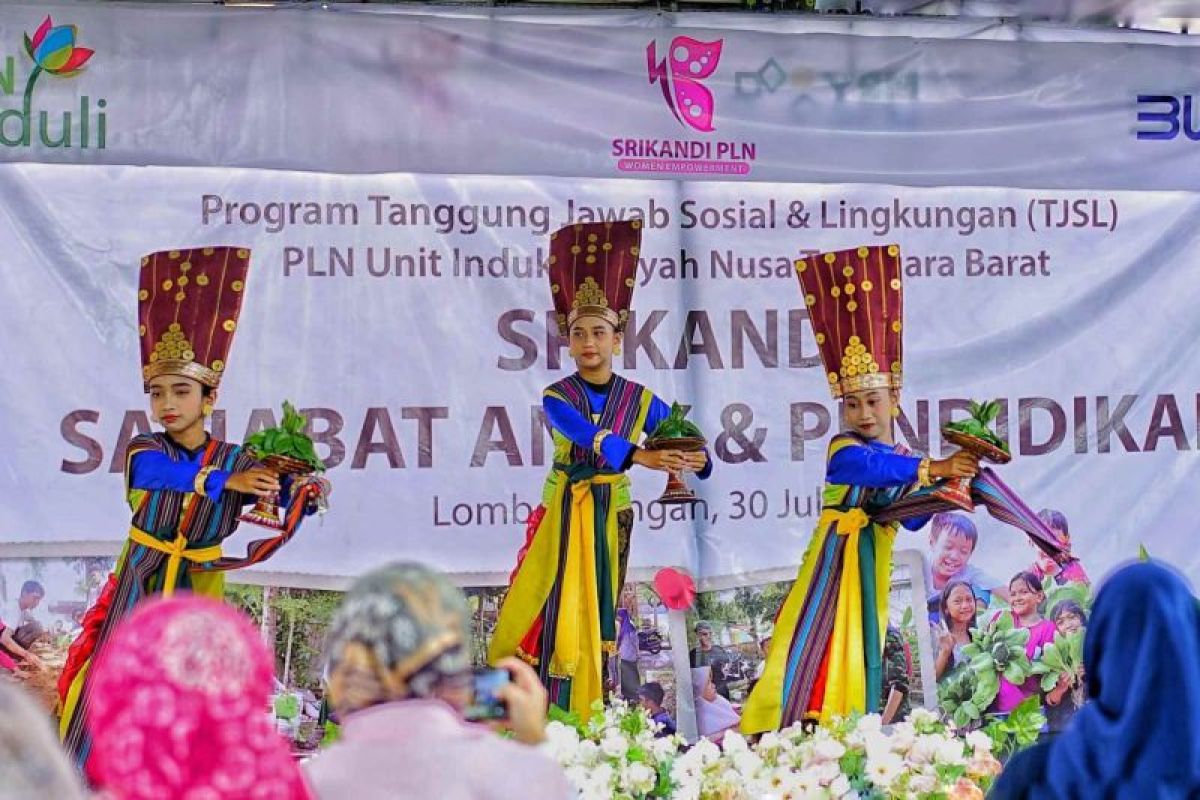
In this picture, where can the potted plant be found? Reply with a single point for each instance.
(676, 432)
(286, 450)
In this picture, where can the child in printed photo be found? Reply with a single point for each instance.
(952, 541)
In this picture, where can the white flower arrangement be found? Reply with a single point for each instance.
(618, 755)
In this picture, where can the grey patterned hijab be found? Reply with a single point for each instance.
(399, 631)
(32, 762)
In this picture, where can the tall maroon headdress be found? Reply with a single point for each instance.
(593, 267)
(855, 302)
(188, 306)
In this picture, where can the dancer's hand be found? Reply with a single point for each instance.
(257, 481)
(662, 460)
(526, 700)
(960, 465)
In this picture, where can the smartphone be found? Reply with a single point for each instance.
(485, 705)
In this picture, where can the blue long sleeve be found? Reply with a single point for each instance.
(876, 467)
(861, 465)
(153, 470)
(616, 451)
(570, 423)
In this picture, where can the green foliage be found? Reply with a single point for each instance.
(1063, 656)
(569, 718)
(854, 764)
(675, 426)
(948, 773)
(247, 598)
(958, 694)
(288, 439)
(749, 605)
(710, 608)
(1004, 645)
(977, 425)
(995, 651)
(1143, 553)
(1020, 730)
(311, 611)
(333, 732)
(665, 785)
(287, 707)
(1055, 594)
(634, 723)
(759, 604)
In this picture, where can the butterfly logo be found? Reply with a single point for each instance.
(680, 74)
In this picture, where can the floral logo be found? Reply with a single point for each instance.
(53, 51)
(680, 76)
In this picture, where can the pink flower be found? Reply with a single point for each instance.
(982, 766)
(965, 790)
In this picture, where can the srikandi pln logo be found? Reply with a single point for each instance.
(689, 63)
(680, 75)
(52, 52)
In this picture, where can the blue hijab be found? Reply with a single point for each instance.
(1138, 736)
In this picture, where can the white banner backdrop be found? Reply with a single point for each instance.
(408, 315)
(402, 302)
(771, 98)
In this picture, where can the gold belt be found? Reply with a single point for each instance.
(177, 551)
(847, 522)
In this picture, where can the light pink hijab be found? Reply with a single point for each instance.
(714, 714)
(180, 709)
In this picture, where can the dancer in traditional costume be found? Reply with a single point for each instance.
(185, 488)
(826, 658)
(560, 610)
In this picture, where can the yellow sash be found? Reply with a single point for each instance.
(764, 707)
(846, 680)
(577, 643)
(209, 584)
(177, 551)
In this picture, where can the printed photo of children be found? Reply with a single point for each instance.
(1045, 567)
(1048, 598)
(1062, 702)
(957, 610)
(952, 541)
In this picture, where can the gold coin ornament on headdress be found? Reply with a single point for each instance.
(589, 293)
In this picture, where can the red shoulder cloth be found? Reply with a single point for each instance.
(84, 645)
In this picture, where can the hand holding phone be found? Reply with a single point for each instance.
(525, 700)
(486, 703)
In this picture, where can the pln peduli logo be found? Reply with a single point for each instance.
(53, 53)
(681, 75)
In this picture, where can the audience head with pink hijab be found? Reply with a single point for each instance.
(180, 697)
(714, 714)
